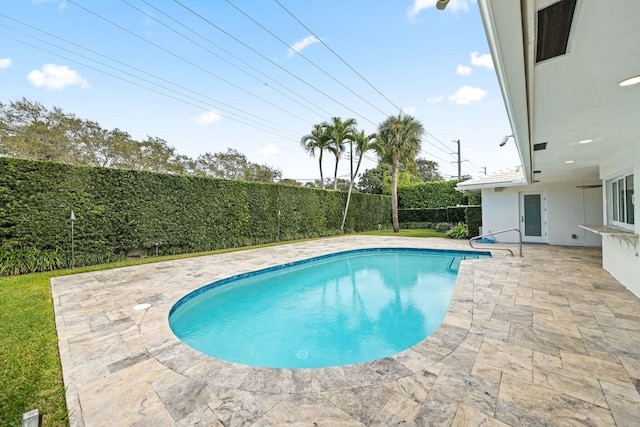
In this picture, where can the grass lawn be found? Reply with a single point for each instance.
(30, 372)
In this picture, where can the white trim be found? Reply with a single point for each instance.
(513, 84)
(609, 182)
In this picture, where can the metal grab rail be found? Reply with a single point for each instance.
(498, 232)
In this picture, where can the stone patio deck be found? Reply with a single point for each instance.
(547, 339)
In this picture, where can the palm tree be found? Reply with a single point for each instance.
(318, 139)
(363, 143)
(399, 142)
(339, 132)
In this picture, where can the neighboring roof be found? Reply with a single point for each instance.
(505, 178)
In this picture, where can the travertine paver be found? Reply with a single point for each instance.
(547, 339)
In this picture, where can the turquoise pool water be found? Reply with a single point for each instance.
(345, 308)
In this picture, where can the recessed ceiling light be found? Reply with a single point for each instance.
(585, 141)
(630, 81)
(570, 161)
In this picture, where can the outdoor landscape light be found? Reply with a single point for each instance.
(72, 218)
(504, 140)
(441, 4)
(626, 82)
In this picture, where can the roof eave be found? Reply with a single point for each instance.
(504, 31)
(477, 187)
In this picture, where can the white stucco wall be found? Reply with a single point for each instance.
(567, 208)
(499, 212)
(621, 258)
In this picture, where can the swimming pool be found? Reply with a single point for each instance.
(339, 309)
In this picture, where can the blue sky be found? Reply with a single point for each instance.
(252, 89)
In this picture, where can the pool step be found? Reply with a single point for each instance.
(454, 264)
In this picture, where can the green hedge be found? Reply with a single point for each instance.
(473, 220)
(435, 215)
(439, 201)
(434, 194)
(122, 211)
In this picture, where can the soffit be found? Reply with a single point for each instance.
(576, 96)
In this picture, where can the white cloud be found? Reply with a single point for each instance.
(435, 99)
(466, 95)
(5, 63)
(454, 6)
(411, 110)
(463, 70)
(298, 46)
(56, 77)
(482, 60)
(62, 4)
(269, 150)
(207, 118)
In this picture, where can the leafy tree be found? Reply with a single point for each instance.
(262, 173)
(378, 179)
(398, 142)
(341, 185)
(318, 140)
(154, 154)
(405, 179)
(363, 143)
(29, 130)
(234, 165)
(292, 182)
(372, 180)
(339, 133)
(427, 170)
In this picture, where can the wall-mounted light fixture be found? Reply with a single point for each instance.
(505, 139)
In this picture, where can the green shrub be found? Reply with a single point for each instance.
(441, 227)
(460, 231)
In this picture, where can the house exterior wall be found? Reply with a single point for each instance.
(620, 258)
(567, 208)
(499, 212)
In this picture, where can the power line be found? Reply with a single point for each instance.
(271, 61)
(337, 56)
(186, 61)
(322, 70)
(440, 142)
(242, 70)
(143, 86)
(266, 124)
(448, 152)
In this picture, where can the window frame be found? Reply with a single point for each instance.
(620, 201)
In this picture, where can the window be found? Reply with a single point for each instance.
(620, 201)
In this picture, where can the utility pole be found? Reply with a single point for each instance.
(485, 169)
(459, 161)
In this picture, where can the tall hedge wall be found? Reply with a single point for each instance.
(434, 194)
(118, 211)
(439, 201)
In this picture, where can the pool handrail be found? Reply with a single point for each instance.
(498, 232)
